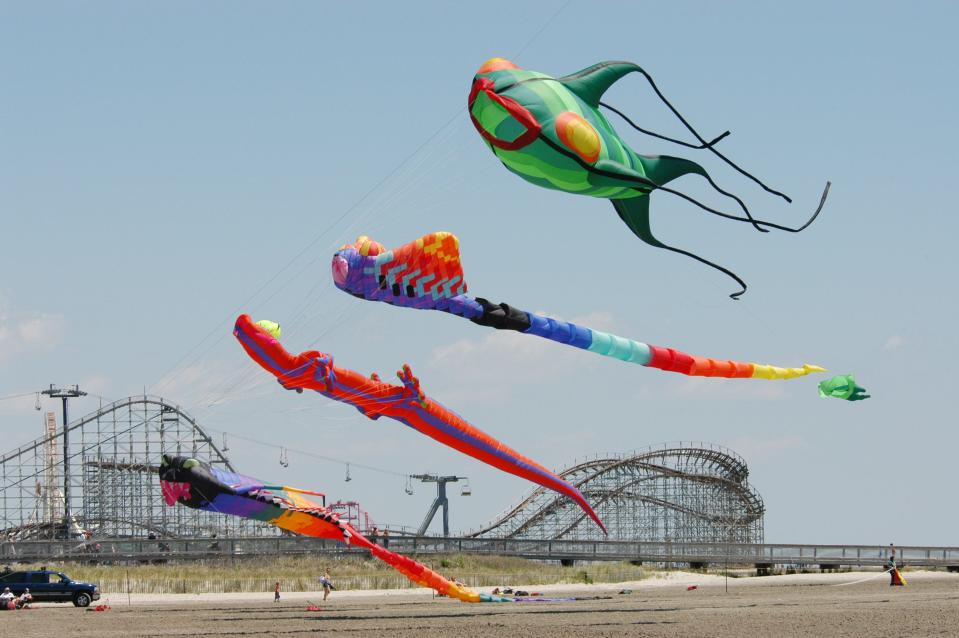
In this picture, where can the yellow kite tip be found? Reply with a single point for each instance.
(495, 64)
(270, 327)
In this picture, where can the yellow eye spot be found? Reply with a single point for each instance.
(578, 135)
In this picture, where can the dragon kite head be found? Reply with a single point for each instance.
(350, 262)
(422, 273)
(189, 481)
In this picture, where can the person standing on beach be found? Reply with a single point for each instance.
(327, 583)
(276, 592)
(895, 576)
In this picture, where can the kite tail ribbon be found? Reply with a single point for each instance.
(505, 317)
(419, 573)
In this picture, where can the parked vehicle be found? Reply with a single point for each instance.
(49, 586)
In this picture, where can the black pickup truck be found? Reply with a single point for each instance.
(47, 586)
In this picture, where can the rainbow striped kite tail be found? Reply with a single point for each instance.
(671, 360)
(761, 371)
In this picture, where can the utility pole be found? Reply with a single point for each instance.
(441, 500)
(65, 393)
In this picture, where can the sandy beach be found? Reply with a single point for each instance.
(790, 605)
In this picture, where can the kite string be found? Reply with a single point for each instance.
(299, 450)
(542, 29)
(303, 314)
(856, 582)
(18, 396)
(242, 377)
(238, 377)
(374, 188)
(310, 245)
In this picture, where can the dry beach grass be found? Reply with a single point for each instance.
(300, 573)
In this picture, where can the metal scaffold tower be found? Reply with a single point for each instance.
(99, 473)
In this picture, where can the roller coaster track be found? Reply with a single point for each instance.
(114, 451)
(631, 481)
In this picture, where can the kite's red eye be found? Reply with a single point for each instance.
(483, 99)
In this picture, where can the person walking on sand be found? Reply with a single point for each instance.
(327, 584)
(276, 592)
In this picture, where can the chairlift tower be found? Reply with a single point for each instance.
(441, 500)
(65, 394)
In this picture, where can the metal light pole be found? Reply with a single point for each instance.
(66, 393)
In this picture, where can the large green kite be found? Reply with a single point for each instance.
(550, 132)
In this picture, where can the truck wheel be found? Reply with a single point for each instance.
(81, 600)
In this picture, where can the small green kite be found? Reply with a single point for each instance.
(842, 386)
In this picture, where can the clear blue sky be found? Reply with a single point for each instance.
(159, 163)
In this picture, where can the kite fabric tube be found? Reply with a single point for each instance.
(200, 486)
(427, 273)
(405, 403)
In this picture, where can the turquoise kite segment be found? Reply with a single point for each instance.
(620, 348)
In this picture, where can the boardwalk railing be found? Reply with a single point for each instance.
(121, 550)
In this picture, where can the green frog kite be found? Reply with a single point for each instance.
(843, 387)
